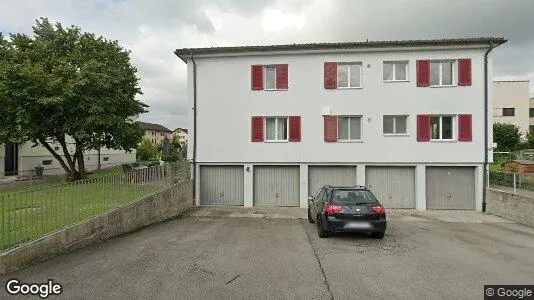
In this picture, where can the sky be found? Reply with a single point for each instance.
(153, 29)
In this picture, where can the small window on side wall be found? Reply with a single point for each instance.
(395, 71)
(508, 112)
(395, 125)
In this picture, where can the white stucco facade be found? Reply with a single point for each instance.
(225, 104)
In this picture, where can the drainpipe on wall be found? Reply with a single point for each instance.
(195, 133)
(486, 125)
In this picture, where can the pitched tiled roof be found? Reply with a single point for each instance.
(155, 127)
(181, 129)
(184, 53)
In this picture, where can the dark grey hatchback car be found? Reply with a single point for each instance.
(347, 209)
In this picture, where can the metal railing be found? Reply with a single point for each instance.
(514, 182)
(29, 214)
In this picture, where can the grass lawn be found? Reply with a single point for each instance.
(26, 215)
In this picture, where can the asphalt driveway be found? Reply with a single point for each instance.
(214, 255)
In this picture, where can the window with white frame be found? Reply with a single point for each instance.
(395, 125)
(442, 127)
(349, 75)
(441, 73)
(349, 128)
(395, 71)
(276, 129)
(270, 77)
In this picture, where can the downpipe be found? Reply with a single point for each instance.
(485, 183)
(195, 133)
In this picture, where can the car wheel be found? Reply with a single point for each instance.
(378, 235)
(309, 217)
(320, 230)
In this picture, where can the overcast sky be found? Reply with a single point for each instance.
(152, 29)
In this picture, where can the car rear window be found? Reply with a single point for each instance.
(353, 197)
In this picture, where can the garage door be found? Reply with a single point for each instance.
(276, 185)
(450, 188)
(318, 176)
(393, 186)
(221, 185)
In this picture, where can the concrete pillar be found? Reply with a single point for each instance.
(479, 185)
(197, 186)
(420, 187)
(304, 186)
(248, 185)
(360, 174)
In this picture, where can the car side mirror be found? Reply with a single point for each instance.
(311, 198)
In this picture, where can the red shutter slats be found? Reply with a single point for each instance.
(465, 131)
(423, 73)
(257, 129)
(257, 77)
(294, 129)
(330, 129)
(423, 128)
(464, 72)
(330, 75)
(281, 77)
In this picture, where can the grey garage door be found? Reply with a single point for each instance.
(318, 176)
(221, 185)
(450, 188)
(393, 186)
(276, 185)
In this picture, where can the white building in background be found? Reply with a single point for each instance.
(511, 103)
(22, 159)
(405, 118)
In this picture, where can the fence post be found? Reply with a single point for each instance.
(515, 183)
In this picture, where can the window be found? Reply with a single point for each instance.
(349, 75)
(508, 112)
(106, 158)
(395, 71)
(531, 112)
(442, 127)
(349, 128)
(276, 128)
(441, 73)
(395, 125)
(47, 162)
(531, 128)
(270, 77)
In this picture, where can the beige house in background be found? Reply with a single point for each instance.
(531, 114)
(155, 132)
(511, 104)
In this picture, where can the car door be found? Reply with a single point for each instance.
(317, 202)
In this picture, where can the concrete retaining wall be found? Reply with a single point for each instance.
(152, 209)
(509, 206)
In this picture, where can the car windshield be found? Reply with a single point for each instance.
(353, 197)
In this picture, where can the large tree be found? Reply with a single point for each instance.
(507, 136)
(68, 87)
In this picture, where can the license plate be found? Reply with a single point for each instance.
(358, 225)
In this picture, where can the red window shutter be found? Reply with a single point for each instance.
(257, 77)
(257, 129)
(465, 133)
(294, 129)
(464, 72)
(281, 77)
(330, 75)
(330, 129)
(423, 73)
(423, 128)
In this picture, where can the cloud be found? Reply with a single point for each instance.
(152, 30)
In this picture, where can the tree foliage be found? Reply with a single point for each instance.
(147, 151)
(177, 150)
(65, 86)
(507, 136)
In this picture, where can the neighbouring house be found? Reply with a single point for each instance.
(511, 103)
(531, 115)
(22, 159)
(270, 125)
(181, 133)
(155, 133)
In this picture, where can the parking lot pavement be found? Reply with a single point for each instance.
(214, 257)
